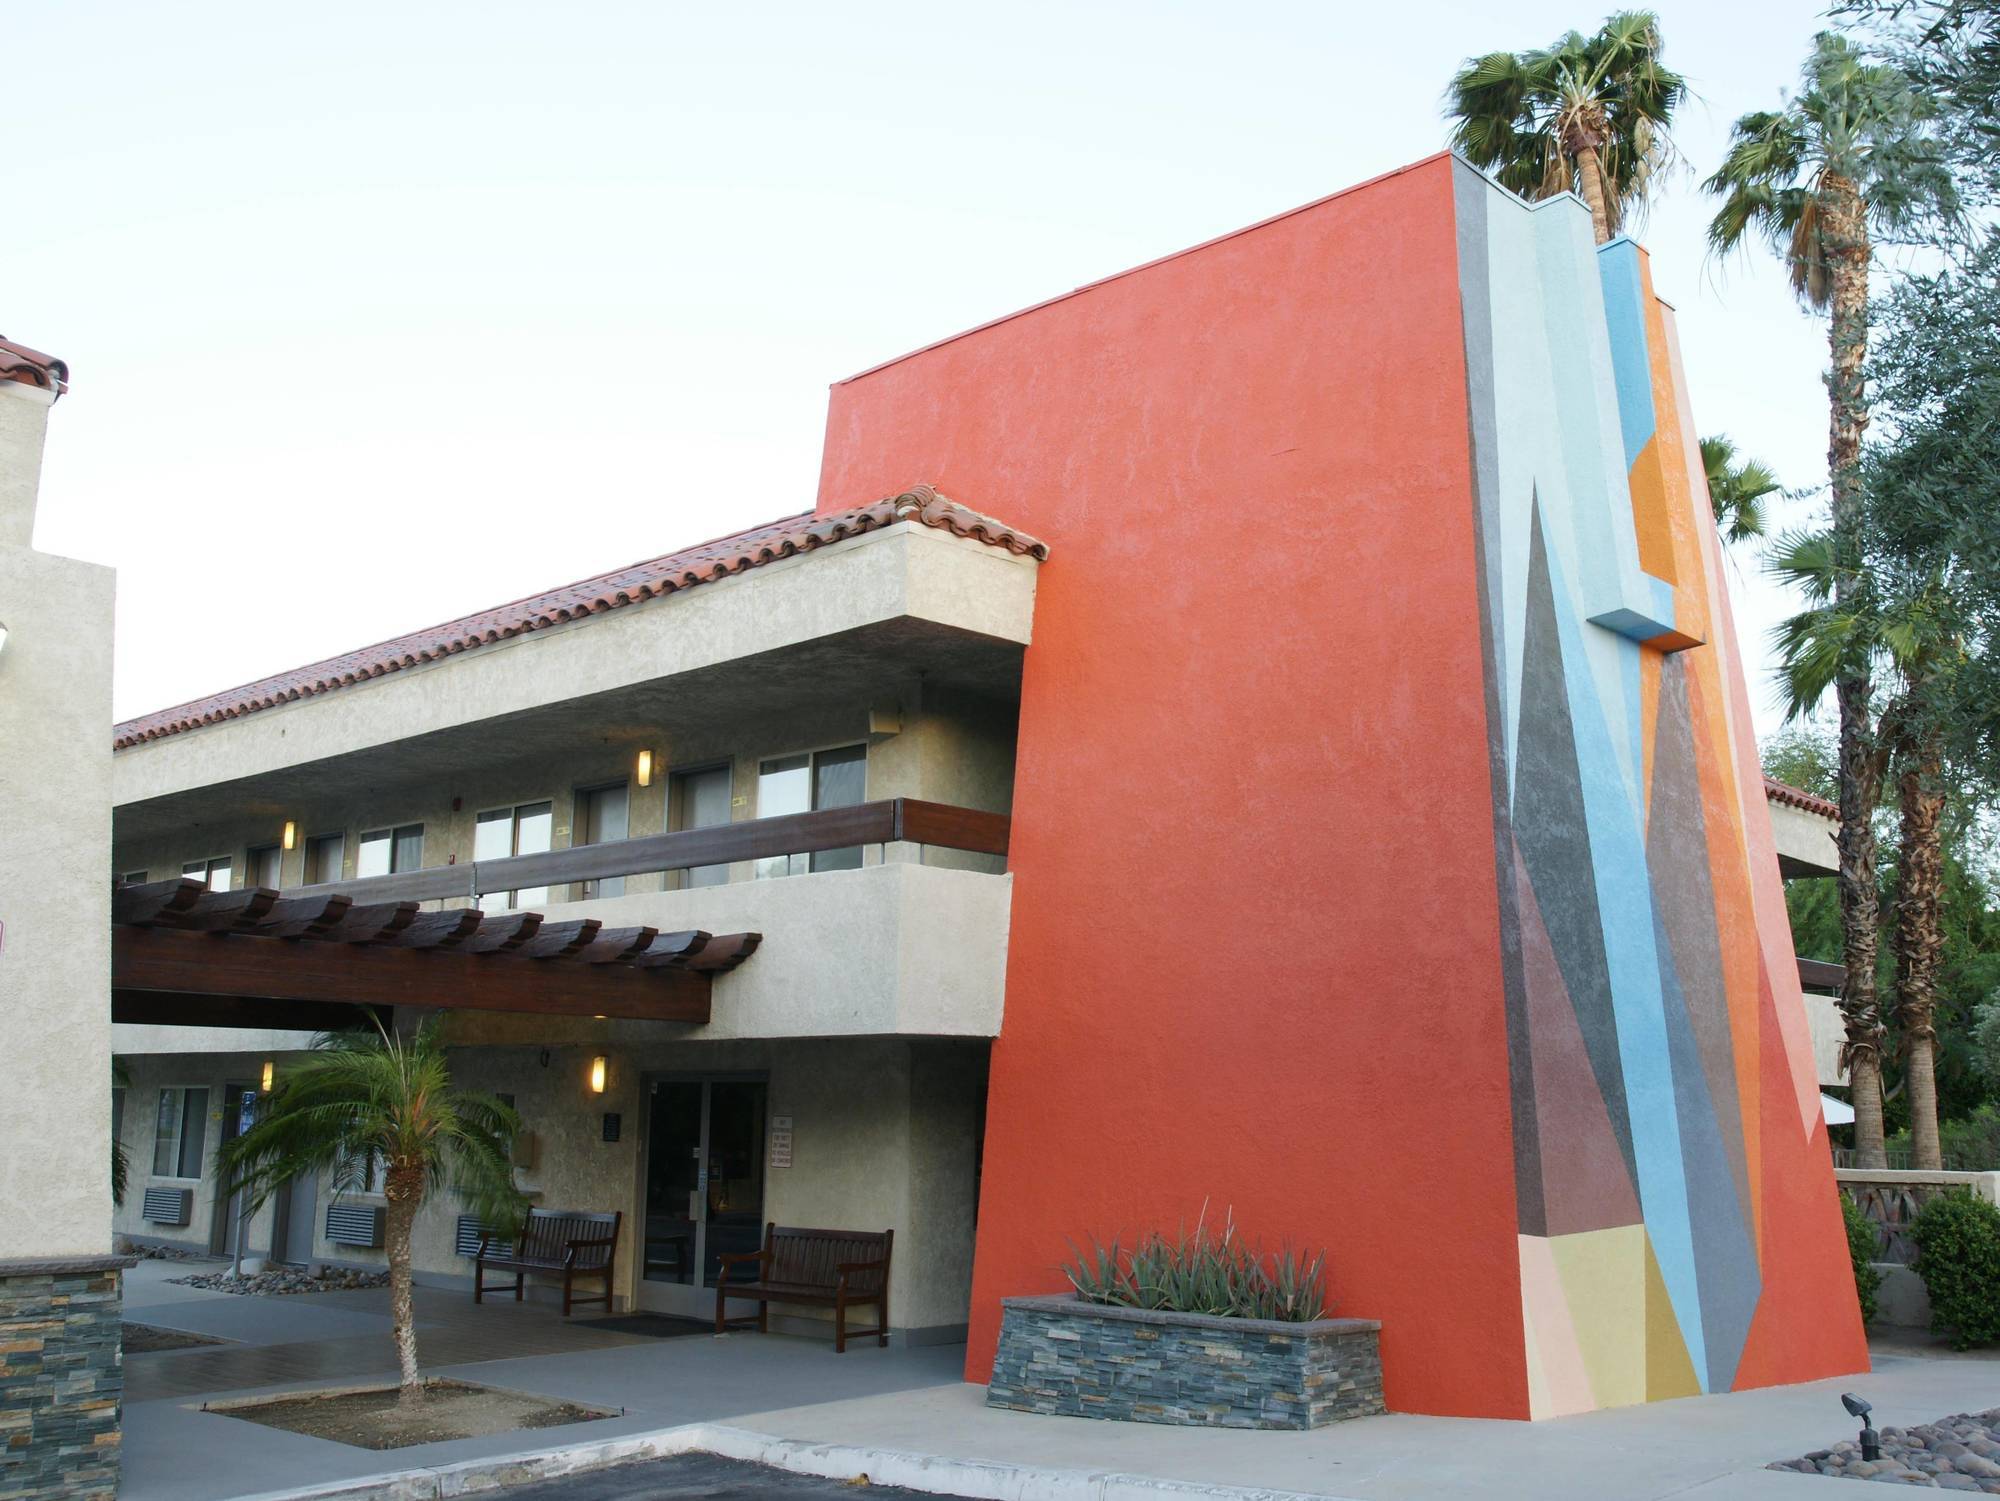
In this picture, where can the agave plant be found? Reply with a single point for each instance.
(1204, 1272)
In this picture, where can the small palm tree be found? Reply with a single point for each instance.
(121, 1164)
(363, 1098)
(1736, 490)
(1587, 115)
(1903, 618)
(1851, 155)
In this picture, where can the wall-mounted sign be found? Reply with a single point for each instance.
(613, 1122)
(781, 1141)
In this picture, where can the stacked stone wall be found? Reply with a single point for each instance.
(61, 1378)
(1085, 1360)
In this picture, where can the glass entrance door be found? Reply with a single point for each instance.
(704, 1187)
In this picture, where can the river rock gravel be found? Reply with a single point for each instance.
(278, 1281)
(1958, 1453)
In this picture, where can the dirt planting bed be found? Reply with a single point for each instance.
(375, 1418)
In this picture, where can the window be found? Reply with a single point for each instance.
(364, 1174)
(262, 866)
(215, 872)
(800, 784)
(603, 816)
(134, 878)
(324, 852)
(699, 799)
(505, 832)
(390, 852)
(180, 1133)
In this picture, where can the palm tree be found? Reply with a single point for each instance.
(1901, 616)
(1849, 155)
(1735, 489)
(362, 1099)
(121, 1165)
(1588, 114)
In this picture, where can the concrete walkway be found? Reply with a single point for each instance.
(912, 1403)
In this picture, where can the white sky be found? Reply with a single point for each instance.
(381, 314)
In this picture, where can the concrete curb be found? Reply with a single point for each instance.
(976, 1479)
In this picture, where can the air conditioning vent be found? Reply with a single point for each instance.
(354, 1224)
(169, 1206)
(469, 1232)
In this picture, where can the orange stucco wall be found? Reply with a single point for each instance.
(1256, 947)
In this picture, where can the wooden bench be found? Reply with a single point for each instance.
(572, 1242)
(834, 1269)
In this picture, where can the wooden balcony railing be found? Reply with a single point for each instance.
(894, 820)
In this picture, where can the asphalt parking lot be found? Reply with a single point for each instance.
(698, 1475)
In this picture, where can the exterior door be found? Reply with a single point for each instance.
(704, 1187)
(296, 1219)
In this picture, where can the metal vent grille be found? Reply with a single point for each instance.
(467, 1240)
(169, 1206)
(354, 1224)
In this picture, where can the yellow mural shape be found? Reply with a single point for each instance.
(1669, 1369)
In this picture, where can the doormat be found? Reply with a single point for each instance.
(653, 1325)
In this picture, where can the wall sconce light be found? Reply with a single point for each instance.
(291, 835)
(597, 1074)
(3, 635)
(270, 1070)
(644, 771)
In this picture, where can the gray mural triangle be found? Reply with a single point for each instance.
(1553, 835)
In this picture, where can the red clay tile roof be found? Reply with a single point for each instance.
(593, 596)
(1792, 797)
(30, 367)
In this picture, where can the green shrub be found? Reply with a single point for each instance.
(1958, 1256)
(1222, 1275)
(1861, 1247)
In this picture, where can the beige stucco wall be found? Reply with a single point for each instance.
(1805, 838)
(55, 861)
(907, 571)
(210, 1070)
(884, 1137)
(1828, 1033)
(897, 949)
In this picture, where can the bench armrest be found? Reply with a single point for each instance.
(846, 1268)
(732, 1258)
(598, 1240)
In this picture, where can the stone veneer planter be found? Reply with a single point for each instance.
(1064, 1356)
(61, 1377)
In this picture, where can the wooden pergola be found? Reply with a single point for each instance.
(184, 955)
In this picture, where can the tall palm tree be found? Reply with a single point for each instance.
(1588, 114)
(361, 1099)
(1900, 618)
(1849, 155)
(1735, 489)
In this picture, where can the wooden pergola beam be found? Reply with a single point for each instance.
(225, 964)
(159, 1008)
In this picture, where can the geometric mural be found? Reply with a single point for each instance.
(1637, 981)
(1388, 608)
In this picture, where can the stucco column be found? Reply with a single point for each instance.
(24, 420)
(60, 1294)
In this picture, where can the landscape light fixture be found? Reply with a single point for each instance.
(1871, 1441)
(291, 835)
(644, 770)
(597, 1074)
